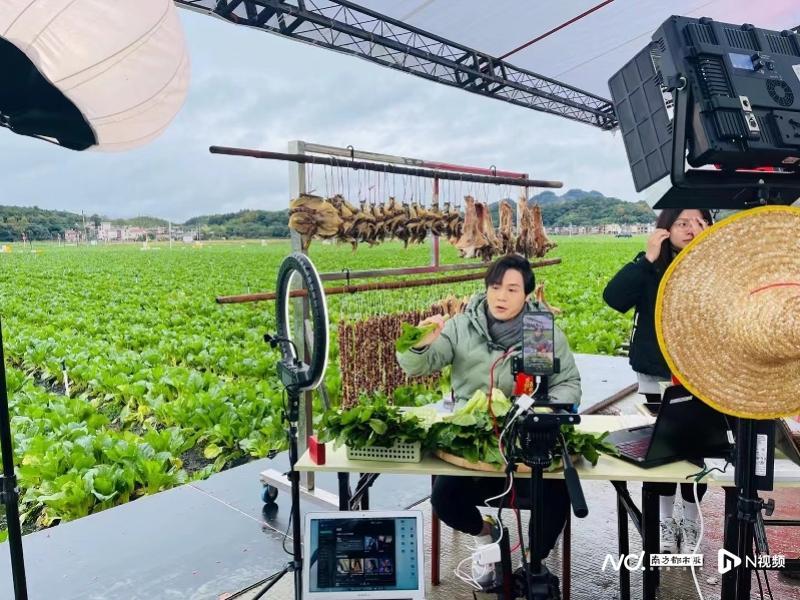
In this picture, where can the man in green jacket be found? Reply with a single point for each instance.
(489, 332)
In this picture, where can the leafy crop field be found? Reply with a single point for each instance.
(126, 378)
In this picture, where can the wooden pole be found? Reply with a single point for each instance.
(367, 287)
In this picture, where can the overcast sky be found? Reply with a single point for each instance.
(257, 90)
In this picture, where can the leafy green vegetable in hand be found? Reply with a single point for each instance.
(411, 336)
(372, 422)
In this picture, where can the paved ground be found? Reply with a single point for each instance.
(593, 538)
(208, 540)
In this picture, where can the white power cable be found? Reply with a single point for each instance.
(468, 578)
(521, 406)
(459, 571)
(699, 539)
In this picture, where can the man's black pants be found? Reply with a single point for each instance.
(456, 501)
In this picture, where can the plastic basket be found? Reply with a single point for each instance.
(407, 453)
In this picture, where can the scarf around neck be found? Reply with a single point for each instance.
(505, 333)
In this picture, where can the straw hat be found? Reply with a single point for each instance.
(728, 314)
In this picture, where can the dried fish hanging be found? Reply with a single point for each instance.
(412, 213)
(333, 217)
(367, 361)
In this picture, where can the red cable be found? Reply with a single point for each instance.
(565, 24)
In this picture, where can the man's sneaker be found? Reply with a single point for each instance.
(669, 536)
(484, 575)
(690, 532)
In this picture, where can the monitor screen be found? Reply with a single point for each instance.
(363, 554)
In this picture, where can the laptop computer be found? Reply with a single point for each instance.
(372, 555)
(685, 429)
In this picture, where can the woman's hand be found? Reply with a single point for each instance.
(438, 320)
(654, 242)
(698, 226)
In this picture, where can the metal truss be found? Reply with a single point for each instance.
(346, 27)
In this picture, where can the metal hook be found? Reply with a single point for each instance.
(352, 152)
(493, 169)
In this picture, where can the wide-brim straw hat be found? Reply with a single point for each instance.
(728, 314)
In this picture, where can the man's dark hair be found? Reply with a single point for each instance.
(495, 273)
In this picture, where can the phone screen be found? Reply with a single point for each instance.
(538, 343)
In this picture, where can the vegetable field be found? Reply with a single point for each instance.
(126, 378)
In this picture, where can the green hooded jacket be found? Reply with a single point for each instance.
(465, 343)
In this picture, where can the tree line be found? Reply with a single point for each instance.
(40, 224)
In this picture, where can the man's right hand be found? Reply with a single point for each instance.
(439, 320)
(654, 244)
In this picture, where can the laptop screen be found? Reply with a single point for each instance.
(375, 554)
(688, 428)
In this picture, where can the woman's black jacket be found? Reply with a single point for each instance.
(636, 285)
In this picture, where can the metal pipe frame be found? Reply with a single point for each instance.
(385, 168)
(346, 27)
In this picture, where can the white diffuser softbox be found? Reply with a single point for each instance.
(108, 74)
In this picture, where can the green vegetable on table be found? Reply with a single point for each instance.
(411, 335)
(470, 433)
(372, 422)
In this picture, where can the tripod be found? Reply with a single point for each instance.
(540, 434)
(744, 524)
(298, 376)
(295, 565)
(9, 494)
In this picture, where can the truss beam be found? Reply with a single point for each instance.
(346, 27)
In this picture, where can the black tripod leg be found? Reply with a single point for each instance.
(650, 539)
(273, 580)
(9, 488)
(730, 540)
(623, 541)
(505, 565)
(297, 535)
(760, 532)
(344, 490)
(294, 476)
(745, 550)
(748, 506)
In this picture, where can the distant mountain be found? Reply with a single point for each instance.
(545, 198)
(245, 224)
(36, 223)
(576, 194)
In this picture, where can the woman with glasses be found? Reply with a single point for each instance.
(636, 286)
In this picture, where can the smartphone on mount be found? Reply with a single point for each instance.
(538, 343)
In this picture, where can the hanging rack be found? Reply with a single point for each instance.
(385, 164)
